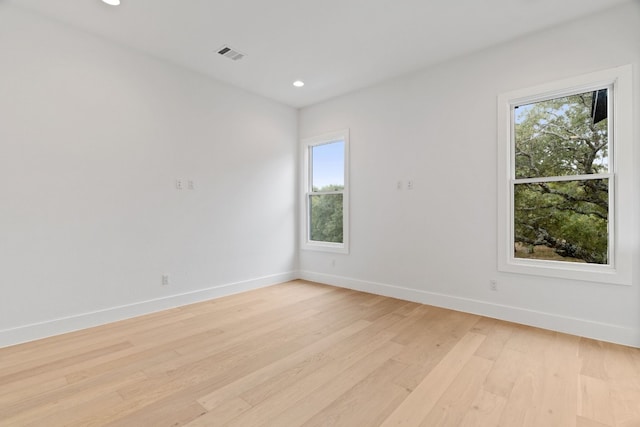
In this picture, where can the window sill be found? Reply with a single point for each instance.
(566, 270)
(340, 248)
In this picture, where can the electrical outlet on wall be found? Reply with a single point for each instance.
(493, 285)
(165, 280)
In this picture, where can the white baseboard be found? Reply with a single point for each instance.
(86, 320)
(570, 325)
(581, 327)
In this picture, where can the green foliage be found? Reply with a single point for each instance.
(326, 215)
(558, 138)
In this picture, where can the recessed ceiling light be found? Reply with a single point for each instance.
(298, 83)
(112, 2)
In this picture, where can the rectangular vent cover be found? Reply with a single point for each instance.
(231, 53)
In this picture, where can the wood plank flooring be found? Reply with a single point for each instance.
(304, 354)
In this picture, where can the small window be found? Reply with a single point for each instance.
(564, 174)
(325, 210)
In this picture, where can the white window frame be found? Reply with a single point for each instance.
(307, 145)
(622, 201)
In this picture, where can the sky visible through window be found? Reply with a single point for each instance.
(328, 165)
(521, 112)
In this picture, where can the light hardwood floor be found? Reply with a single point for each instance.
(303, 354)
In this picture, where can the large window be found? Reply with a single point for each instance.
(560, 193)
(562, 178)
(326, 192)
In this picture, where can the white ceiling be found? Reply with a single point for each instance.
(335, 46)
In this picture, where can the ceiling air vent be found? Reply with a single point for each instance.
(231, 53)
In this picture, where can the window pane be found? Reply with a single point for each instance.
(327, 167)
(562, 136)
(562, 221)
(325, 218)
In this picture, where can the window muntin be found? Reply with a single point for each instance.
(325, 209)
(556, 217)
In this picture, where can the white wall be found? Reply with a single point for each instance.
(437, 243)
(92, 138)
(93, 135)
